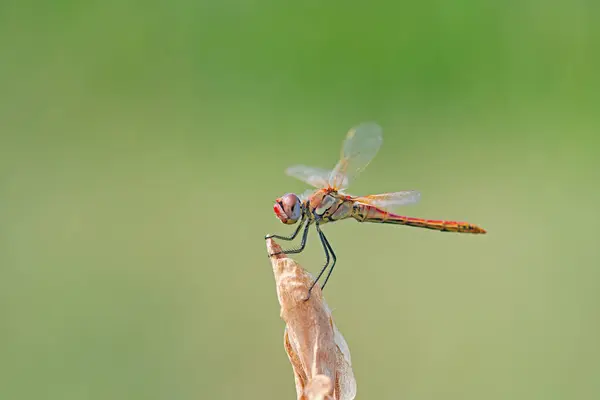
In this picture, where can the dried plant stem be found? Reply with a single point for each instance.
(317, 351)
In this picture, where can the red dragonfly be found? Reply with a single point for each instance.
(329, 203)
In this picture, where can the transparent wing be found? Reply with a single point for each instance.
(360, 146)
(306, 194)
(317, 177)
(390, 200)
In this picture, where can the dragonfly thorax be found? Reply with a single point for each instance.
(288, 208)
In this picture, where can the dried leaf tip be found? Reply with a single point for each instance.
(316, 349)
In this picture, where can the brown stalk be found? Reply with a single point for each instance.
(316, 349)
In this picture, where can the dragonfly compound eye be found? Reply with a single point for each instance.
(292, 207)
(279, 211)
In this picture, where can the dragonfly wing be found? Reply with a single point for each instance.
(306, 194)
(360, 146)
(316, 177)
(390, 200)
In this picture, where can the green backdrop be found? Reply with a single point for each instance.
(142, 145)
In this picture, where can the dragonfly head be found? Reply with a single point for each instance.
(288, 208)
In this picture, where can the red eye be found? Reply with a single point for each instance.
(279, 211)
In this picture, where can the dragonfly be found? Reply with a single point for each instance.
(328, 200)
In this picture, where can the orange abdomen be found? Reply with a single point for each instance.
(367, 213)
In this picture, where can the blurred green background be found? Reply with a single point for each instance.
(142, 145)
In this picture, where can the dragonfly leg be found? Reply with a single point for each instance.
(292, 236)
(325, 243)
(302, 243)
(332, 263)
